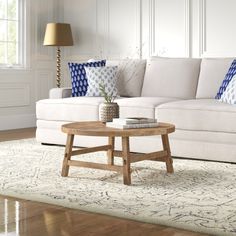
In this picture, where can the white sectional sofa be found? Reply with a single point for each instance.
(179, 91)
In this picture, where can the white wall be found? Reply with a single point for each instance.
(113, 29)
(141, 28)
(20, 89)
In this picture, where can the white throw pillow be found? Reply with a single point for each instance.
(129, 76)
(229, 95)
(106, 76)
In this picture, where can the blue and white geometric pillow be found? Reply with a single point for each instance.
(229, 95)
(78, 76)
(228, 77)
(106, 76)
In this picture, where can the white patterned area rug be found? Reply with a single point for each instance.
(199, 196)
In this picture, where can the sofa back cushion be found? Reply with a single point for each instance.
(171, 77)
(129, 76)
(213, 71)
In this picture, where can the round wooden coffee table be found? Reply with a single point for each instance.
(97, 128)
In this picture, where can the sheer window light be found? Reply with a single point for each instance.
(11, 33)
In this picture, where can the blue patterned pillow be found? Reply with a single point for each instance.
(78, 76)
(228, 77)
(229, 95)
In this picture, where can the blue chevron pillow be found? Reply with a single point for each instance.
(78, 76)
(229, 95)
(228, 77)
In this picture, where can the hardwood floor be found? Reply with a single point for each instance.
(17, 134)
(28, 218)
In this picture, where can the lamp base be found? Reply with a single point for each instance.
(58, 67)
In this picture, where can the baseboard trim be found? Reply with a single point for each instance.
(17, 121)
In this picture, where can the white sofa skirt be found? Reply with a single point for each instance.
(207, 145)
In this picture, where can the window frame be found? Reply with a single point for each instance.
(22, 50)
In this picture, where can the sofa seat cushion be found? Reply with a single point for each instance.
(199, 115)
(141, 106)
(69, 109)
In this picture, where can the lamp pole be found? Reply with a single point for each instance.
(58, 67)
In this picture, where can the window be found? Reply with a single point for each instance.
(11, 33)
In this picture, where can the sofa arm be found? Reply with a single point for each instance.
(56, 93)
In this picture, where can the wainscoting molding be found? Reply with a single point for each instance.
(152, 33)
(44, 83)
(187, 23)
(216, 22)
(14, 94)
(17, 121)
(202, 28)
(108, 31)
(156, 48)
(44, 16)
(134, 49)
(21, 88)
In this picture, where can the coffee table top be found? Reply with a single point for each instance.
(97, 128)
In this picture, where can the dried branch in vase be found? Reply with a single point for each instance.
(109, 98)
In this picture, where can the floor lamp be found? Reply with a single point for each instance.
(58, 34)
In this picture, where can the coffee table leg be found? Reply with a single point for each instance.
(126, 161)
(166, 146)
(110, 152)
(67, 156)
